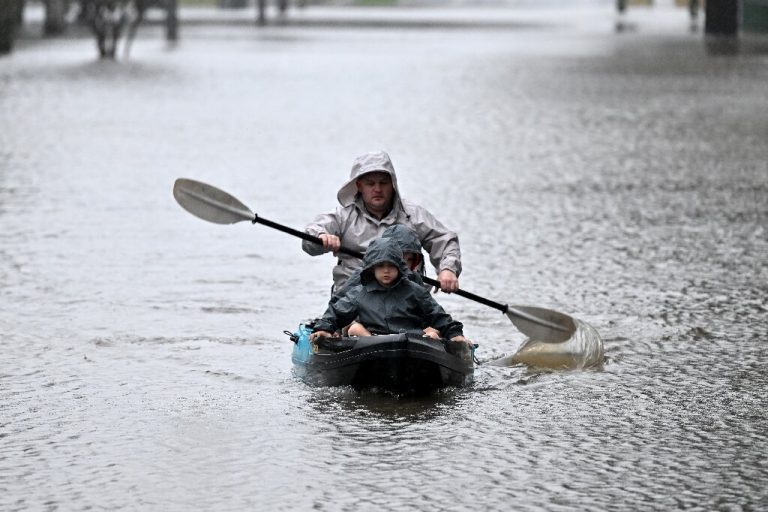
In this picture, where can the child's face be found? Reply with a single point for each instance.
(385, 273)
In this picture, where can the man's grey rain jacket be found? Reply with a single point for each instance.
(355, 227)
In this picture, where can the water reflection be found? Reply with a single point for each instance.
(375, 405)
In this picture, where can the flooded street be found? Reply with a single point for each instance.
(618, 178)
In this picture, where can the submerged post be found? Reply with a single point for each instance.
(172, 21)
(261, 18)
(722, 17)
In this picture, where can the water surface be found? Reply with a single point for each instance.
(620, 178)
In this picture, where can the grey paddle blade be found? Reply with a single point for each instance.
(210, 203)
(542, 324)
(582, 350)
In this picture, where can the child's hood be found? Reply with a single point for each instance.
(379, 251)
(404, 236)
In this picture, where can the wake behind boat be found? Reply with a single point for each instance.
(402, 363)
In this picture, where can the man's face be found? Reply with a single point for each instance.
(385, 273)
(377, 192)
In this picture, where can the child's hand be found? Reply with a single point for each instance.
(358, 329)
(461, 338)
(430, 332)
(318, 334)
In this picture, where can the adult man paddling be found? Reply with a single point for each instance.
(370, 203)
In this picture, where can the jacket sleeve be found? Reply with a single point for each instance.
(339, 313)
(441, 243)
(349, 285)
(437, 318)
(325, 223)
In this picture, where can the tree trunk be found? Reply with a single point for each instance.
(55, 16)
(11, 14)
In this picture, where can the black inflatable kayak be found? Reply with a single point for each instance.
(403, 363)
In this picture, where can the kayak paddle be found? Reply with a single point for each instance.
(214, 205)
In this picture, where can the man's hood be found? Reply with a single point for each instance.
(377, 161)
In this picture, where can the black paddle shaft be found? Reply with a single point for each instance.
(355, 254)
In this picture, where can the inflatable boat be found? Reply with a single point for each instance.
(401, 363)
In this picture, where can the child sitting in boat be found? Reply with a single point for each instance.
(408, 241)
(386, 301)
